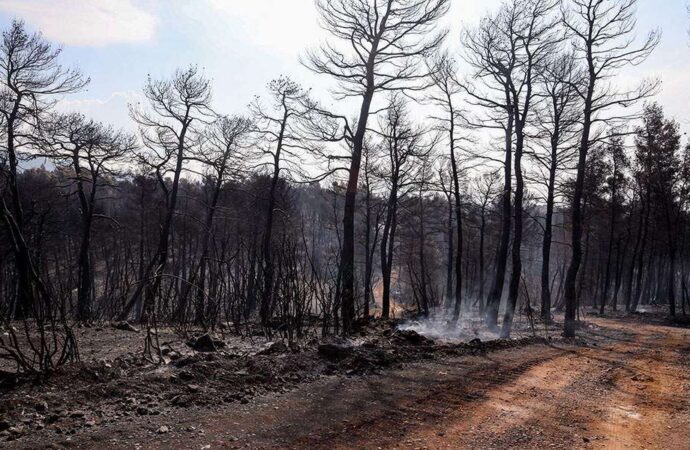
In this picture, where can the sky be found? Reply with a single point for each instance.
(243, 44)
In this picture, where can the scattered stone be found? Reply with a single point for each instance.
(16, 431)
(163, 429)
(126, 326)
(205, 343)
(181, 401)
(273, 348)
(186, 375)
(642, 378)
(42, 406)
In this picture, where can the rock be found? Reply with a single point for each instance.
(142, 411)
(335, 351)
(16, 431)
(42, 407)
(642, 378)
(475, 341)
(193, 388)
(273, 348)
(412, 337)
(205, 343)
(186, 375)
(77, 414)
(186, 361)
(181, 401)
(125, 326)
(163, 429)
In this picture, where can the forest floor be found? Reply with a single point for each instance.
(625, 383)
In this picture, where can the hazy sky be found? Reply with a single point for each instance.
(243, 44)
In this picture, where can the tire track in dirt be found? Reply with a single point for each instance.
(628, 388)
(650, 408)
(624, 394)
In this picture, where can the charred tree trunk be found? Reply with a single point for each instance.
(387, 246)
(347, 257)
(516, 273)
(493, 301)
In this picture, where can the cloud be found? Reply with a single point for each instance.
(113, 109)
(92, 23)
(278, 25)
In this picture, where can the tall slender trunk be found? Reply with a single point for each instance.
(422, 258)
(200, 313)
(451, 252)
(153, 275)
(548, 234)
(25, 290)
(640, 263)
(458, 213)
(84, 291)
(387, 246)
(482, 235)
(516, 272)
(493, 301)
(620, 251)
(576, 211)
(347, 255)
(671, 286)
(609, 250)
(368, 263)
(630, 277)
(266, 248)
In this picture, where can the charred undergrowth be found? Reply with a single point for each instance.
(108, 389)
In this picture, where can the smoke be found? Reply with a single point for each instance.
(441, 327)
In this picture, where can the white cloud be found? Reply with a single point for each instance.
(112, 109)
(278, 25)
(85, 22)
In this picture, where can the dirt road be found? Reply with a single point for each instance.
(628, 387)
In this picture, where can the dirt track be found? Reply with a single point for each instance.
(629, 387)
